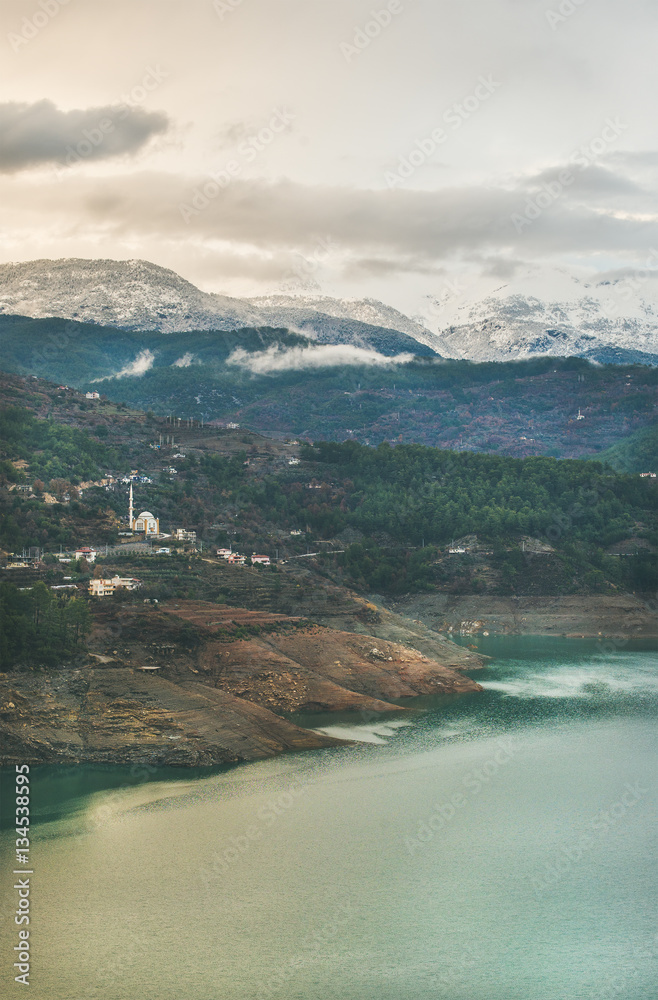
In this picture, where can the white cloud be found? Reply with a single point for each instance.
(278, 359)
(142, 363)
(184, 362)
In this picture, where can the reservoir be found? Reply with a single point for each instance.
(498, 846)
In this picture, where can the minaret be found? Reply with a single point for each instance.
(130, 509)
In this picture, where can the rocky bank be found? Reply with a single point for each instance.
(193, 683)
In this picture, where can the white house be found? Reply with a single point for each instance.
(183, 535)
(224, 553)
(260, 560)
(92, 395)
(293, 461)
(106, 587)
(86, 553)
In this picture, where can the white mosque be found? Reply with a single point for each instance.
(145, 522)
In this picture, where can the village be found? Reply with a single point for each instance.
(142, 535)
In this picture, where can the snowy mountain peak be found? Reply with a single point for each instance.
(536, 311)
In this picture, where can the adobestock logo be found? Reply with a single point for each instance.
(224, 7)
(551, 191)
(249, 150)
(92, 138)
(454, 117)
(366, 33)
(31, 26)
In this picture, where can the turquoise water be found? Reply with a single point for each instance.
(499, 846)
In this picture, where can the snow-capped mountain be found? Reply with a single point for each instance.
(553, 311)
(137, 295)
(539, 311)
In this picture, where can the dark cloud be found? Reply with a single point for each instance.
(375, 233)
(593, 180)
(33, 135)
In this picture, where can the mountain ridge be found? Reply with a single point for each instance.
(556, 312)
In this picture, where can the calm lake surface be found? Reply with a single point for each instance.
(492, 847)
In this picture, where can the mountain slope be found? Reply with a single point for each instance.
(538, 312)
(636, 453)
(139, 296)
(552, 311)
(281, 383)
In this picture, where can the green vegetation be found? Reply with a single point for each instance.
(37, 627)
(52, 450)
(393, 510)
(411, 496)
(514, 408)
(421, 493)
(636, 453)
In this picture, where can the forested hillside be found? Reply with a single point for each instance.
(387, 515)
(281, 382)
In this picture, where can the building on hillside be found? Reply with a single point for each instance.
(257, 560)
(105, 587)
(146, 522)
(183, 535)
(224, 553)
(85, 552)
(235, 559)
(92, 395)
(293, 461)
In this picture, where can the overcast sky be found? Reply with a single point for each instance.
(256, 146)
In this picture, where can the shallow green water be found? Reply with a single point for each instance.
(493, 847)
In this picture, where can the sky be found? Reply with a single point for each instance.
(352, 148)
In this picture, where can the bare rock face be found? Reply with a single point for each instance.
(182, 685)
(118, 715)
(612, 616)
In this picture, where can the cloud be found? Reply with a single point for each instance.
(142, 363)
(279, 359)
(184, 362)
(33, 135)
(254, 230)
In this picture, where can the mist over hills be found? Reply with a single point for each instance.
(279, 382)
(137, 295)
(612, 319)
(334, 369)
